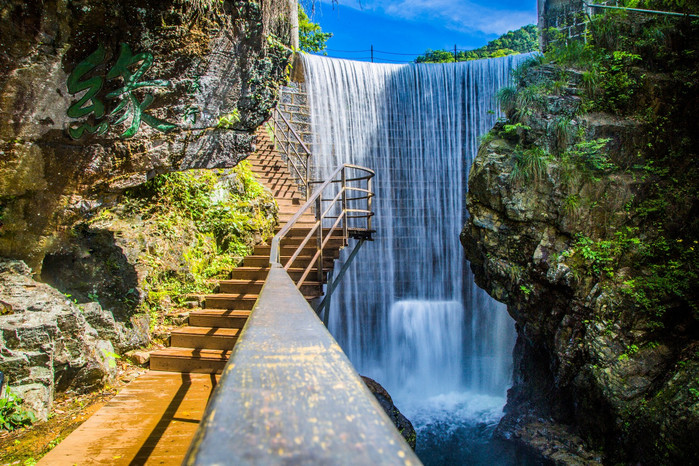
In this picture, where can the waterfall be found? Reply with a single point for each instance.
(408, 312)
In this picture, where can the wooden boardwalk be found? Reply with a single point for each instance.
(151, 421)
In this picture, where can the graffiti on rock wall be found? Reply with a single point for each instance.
(128, 109)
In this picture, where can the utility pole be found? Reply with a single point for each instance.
(454, 53)
(372, 53)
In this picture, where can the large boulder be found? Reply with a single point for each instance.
(46, 343)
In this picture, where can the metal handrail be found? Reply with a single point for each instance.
(639, 10)
(341, 220)
(288, 142)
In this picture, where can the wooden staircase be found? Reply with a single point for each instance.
(205, 344)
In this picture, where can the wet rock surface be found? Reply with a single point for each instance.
(402, 423)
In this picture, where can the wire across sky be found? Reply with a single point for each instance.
(375, 55)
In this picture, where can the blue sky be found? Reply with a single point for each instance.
(413, 26)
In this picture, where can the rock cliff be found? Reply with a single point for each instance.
(583, 221)
(98, 97)
(46, 341)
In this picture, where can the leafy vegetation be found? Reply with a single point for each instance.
(644, 70)
(213, 218)
(228, 120)
(12, 415)
(522, 40)
(311, 36)
(530, 164)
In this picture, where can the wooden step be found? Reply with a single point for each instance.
(251, 273)
(290, 203)
(276, 180)
(234, 301)
(227, 301)
(234, 286)
(305, 220)
(288, 250)
(336, 241)
(300, 231)
(207, 361)
(204, 337)
(287, 192)
(272, 170)
(225, 318)
(300, 228)
(299, 262)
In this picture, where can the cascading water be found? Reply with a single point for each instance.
(407, 312)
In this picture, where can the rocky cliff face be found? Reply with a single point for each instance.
(97, 97)
(564, 229)
(47, 343)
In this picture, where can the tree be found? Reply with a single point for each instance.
(522, 40)
(311, 36)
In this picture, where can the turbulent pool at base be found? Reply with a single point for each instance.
(407, 312)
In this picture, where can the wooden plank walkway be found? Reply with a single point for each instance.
(151, 421)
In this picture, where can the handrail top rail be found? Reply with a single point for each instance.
(274, 249)
(348, 180)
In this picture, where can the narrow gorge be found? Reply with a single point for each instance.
(529, 289)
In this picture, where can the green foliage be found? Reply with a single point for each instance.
(522, 40)
(111, 358)
(589, 158)
(311, 36)
(530, 164)
(228, 120)
(220, 220)
(571, 204)
(507, 97)
(564, 131)
(438, 56)
(512, 131)
(602, 256)
(672, 274)
(12, 415)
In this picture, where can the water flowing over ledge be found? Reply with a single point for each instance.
(418, 126)
(408, 312)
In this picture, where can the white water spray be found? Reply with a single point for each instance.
(407, 312)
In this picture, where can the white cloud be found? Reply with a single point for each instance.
(457, 15)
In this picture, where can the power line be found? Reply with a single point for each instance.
(396, 53)
(348, 51)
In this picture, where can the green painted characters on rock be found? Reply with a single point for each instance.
(130, 69)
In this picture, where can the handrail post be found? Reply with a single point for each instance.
(319, 219)
(307, 181)
(368, 204)
(345, 220)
